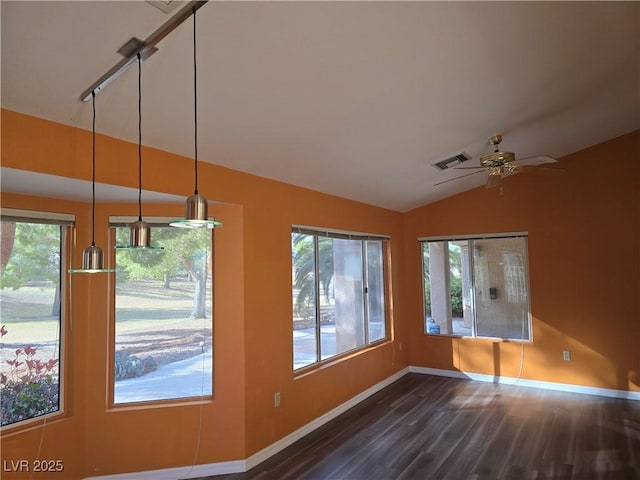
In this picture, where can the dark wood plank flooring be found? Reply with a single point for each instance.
(427, 427)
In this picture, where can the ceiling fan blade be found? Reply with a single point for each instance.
(537, 160)
(456, 178)
(539, 170)
(494, 180)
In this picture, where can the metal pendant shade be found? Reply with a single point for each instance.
(92, 259)
(140, 234)
(139, 231)
(92, 256)
(196, 214)
(197, 209)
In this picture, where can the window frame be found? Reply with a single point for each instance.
(66, 222)
(121, 221)
(344, 235)
(422, 241)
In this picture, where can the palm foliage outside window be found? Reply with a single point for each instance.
(338, 294)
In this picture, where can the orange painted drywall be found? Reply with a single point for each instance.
(584, 261)
(253, 349)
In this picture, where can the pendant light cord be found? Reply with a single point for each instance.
(93, 168)
(195, 124)
(139, 138)
(195, 104)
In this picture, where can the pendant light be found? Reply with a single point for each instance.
(139, 231)
(92, 256)
(196, 212)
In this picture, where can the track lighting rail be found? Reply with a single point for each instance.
(146, 48)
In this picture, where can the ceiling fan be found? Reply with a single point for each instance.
(499, 163)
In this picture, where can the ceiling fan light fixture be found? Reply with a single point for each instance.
(499, 163)
(495, 178)
(497, 158)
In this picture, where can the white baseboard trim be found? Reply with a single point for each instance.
(239, 466)
(195, 471)
(562, 387)
(283, 443)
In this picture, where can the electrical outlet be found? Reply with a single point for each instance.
(566, 355)
(276, 399)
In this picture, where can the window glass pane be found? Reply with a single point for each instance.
(460, 293)
(476, 287)
(326, 270)
(163, 332)
(442, 274)
(330, 316)
(346, 290)
(502, 303)
(375, 289)
(30, 299)
(426, 284)
(304, 300)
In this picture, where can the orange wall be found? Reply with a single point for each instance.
(584, 262)
(253, 350)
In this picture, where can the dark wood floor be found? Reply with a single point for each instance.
(426, 427)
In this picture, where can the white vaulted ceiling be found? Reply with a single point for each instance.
(356, 99)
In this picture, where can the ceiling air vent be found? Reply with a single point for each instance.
(452, 161)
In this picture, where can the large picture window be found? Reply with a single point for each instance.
(31, 298)
(338, 294)
(477, 287)
(163, 316)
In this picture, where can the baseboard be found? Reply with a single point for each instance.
(239, 466)
(562, 387)
(195, 471)
(283, 443)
